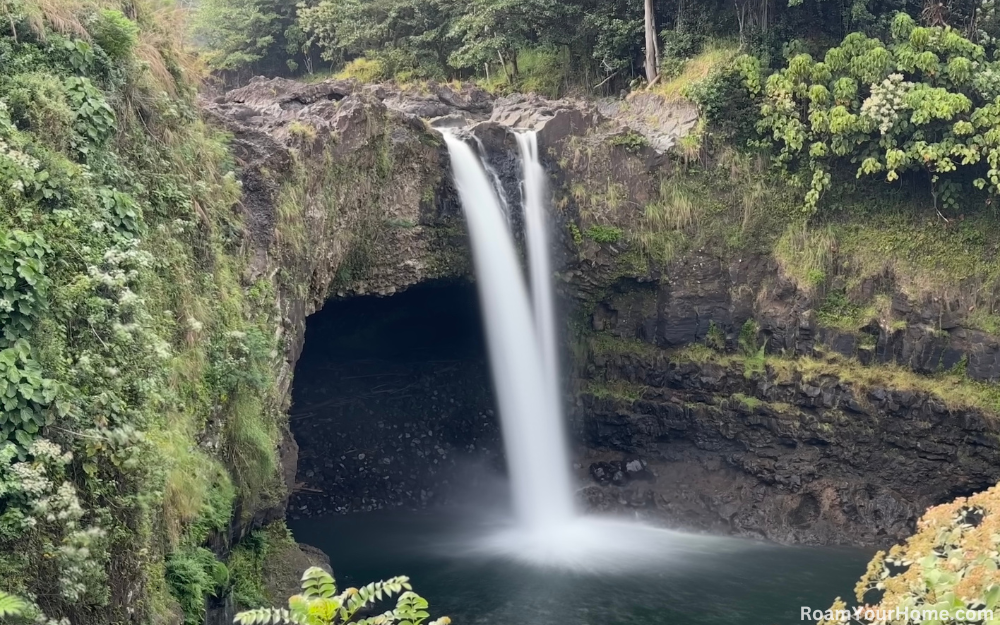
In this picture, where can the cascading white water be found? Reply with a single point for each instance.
(536, 227)
(532, 423)
(495, 179)
(524, 362)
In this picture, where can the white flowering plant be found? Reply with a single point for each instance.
(43, 505)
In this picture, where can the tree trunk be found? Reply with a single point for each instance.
(652, 47)
(503, 64)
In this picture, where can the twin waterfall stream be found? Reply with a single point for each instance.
(521, 337)
(522, 340)
(549, 563)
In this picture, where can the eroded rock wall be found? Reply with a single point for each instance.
(348, 193)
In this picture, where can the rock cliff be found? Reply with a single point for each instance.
(348, 191)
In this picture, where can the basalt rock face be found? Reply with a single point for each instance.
(345, 193)
(817, 462)
(778, 454)
(348, 193)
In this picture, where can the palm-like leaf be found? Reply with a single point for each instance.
(11, 605)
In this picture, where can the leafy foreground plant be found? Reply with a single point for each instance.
(11, 606)
(949, 567)
(319, 604)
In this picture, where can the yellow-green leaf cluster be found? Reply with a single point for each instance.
(927, 101)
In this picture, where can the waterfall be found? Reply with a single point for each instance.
(521, 338)
(521, 345)
(495, 179)
(536, 226)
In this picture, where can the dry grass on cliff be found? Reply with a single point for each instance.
(805, 255)
(715, 54)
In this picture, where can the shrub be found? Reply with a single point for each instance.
(925, 102)
(365, 70)
(544, 71)
(715, 337)
(37, 101)
(753, 353)
(681, 43)
(725, 103)
(949, 564)
(604, 234)
(631, 141)
(116, 34)
(193, 575)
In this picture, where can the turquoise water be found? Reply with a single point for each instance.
(697, 581)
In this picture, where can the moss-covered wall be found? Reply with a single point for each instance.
(156, 271)
(140, 403)
(735, 345)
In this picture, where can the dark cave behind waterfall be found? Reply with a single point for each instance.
(392, 404)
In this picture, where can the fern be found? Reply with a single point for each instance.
(318, 583)
(319, 604)
(11, 605)
(269, 616)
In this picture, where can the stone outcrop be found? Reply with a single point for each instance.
(819, 461)
(701, 289)
(348, 192)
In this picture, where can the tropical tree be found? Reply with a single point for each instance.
(496, 29)
(927, 102)
(245, 36)
(413, 32)
(652, 46)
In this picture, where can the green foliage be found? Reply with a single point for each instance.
(42, 506)
(116, 34)
(614, 31)
(922, 103)
(37, 101)
(23, 282)
(365, 70)
(630, 141)
(725, 100)
(753, 354)
(242, 37)
(837, 311)
(604, 234)
(11, 606)
(194, 575)
(248, 560)
(403, 35)
(805, 255)
(947, 565)
(747, 401)
(619, 390)
(25, 394)
(491, 28)
(544, 70)
(127, 329)
(575, 234)
(320, 604)
(93, 118)
(715, 337)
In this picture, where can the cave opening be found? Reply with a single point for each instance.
(392, 404)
